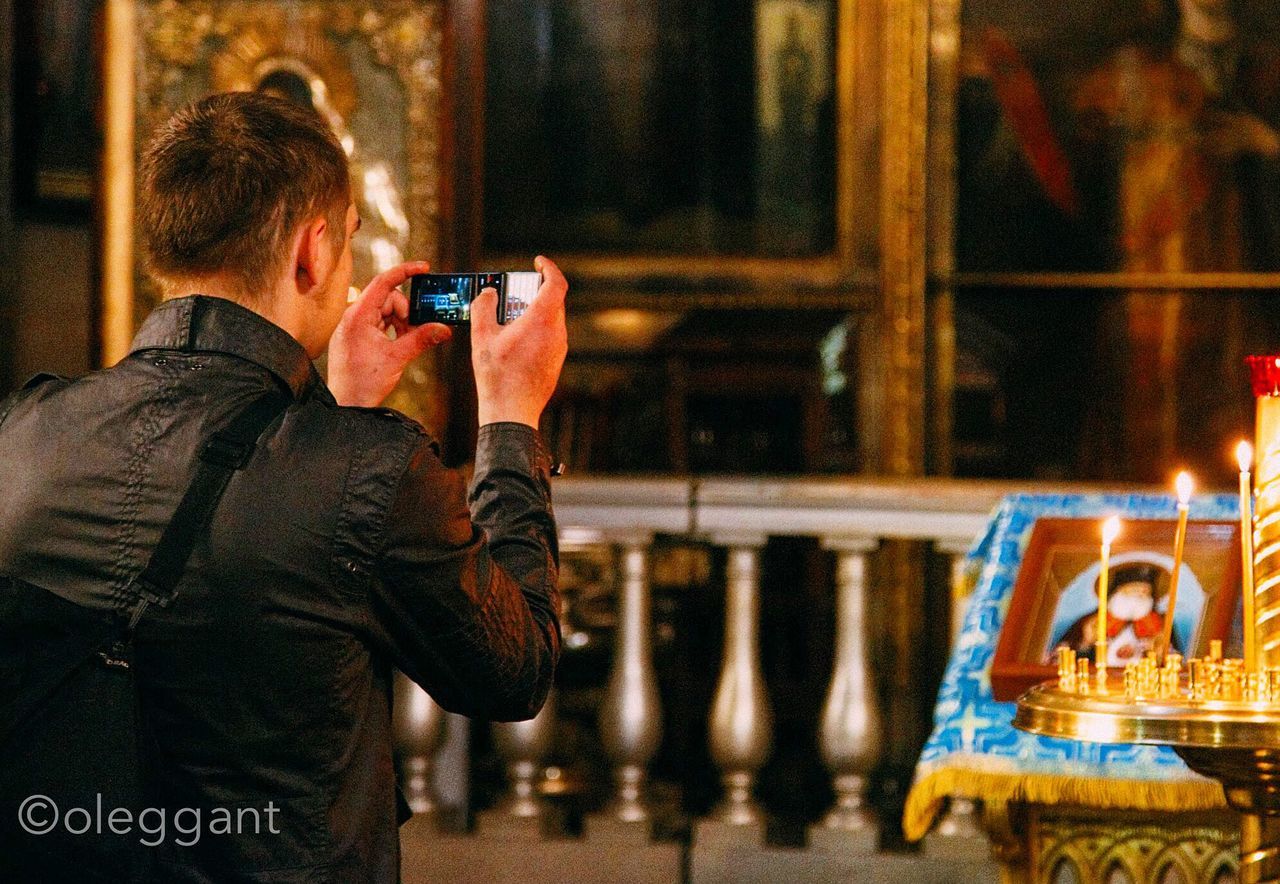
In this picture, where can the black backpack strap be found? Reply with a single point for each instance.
(227, 450)
(78, 636)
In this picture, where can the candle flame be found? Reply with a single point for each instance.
(1184, 484)
(1110, 530)
(1244, 456)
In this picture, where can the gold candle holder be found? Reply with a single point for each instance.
(1066, 669)
(1265, 371)
(1184, 486)
(1221, 715)
(1110, 531)
(1249, 619)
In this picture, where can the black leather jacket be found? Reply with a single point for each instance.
(343, 549)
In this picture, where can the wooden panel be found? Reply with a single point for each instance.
(6, 196)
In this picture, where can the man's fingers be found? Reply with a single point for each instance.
(550, 272)
(401, 326)
(376, 293)
(554, 288)
(395, 311)
(484, 315)
(418, 339)
(389, 279)
(399, 304)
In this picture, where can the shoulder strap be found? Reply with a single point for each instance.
(226, 451)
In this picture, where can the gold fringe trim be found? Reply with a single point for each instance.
(926, 796)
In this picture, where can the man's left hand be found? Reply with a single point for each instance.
(364, 363)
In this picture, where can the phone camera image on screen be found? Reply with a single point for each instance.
(441, 297)
(447, 297)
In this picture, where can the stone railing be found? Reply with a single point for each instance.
(851, 517)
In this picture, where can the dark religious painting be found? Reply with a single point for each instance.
(56, 137)
(1060, 383)
(1119, 135)
(1139, 139)
(700, 127)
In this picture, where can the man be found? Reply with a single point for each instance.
(342, 548)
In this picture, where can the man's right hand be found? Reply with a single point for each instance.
(517, 365)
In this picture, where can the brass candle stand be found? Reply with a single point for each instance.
(1222, 716)
(1222, 721)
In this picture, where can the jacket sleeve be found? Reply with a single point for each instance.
(467, 600)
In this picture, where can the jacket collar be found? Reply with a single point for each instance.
(202, 323)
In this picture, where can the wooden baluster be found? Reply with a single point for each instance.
(418, 730)
(741, 722)
(849, 734)
(631, 714)
(523, 745)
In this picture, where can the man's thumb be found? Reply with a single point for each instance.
(484, 315)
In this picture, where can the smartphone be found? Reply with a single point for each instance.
(447, 297)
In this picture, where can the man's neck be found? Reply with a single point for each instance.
(266, 307)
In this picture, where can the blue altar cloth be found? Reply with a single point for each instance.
(976, 752)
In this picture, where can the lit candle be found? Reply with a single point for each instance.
(1110, 530)
(1244, 457)
(1184, 485)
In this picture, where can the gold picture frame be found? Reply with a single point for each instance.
(1061, 553)
(847, 276)
(374, 69)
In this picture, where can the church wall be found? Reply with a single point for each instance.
(51, 301)
(6, 178)
(46, 298)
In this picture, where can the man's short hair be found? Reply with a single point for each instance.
(228, 180)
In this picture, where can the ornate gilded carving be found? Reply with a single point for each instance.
(1101, 850)
(188, 48)
(253, 52)
(178, 30)
(223, 45)
(902, 234)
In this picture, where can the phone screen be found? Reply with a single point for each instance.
(447, 297)
(441, 297)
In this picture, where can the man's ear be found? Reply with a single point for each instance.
(312, 259)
